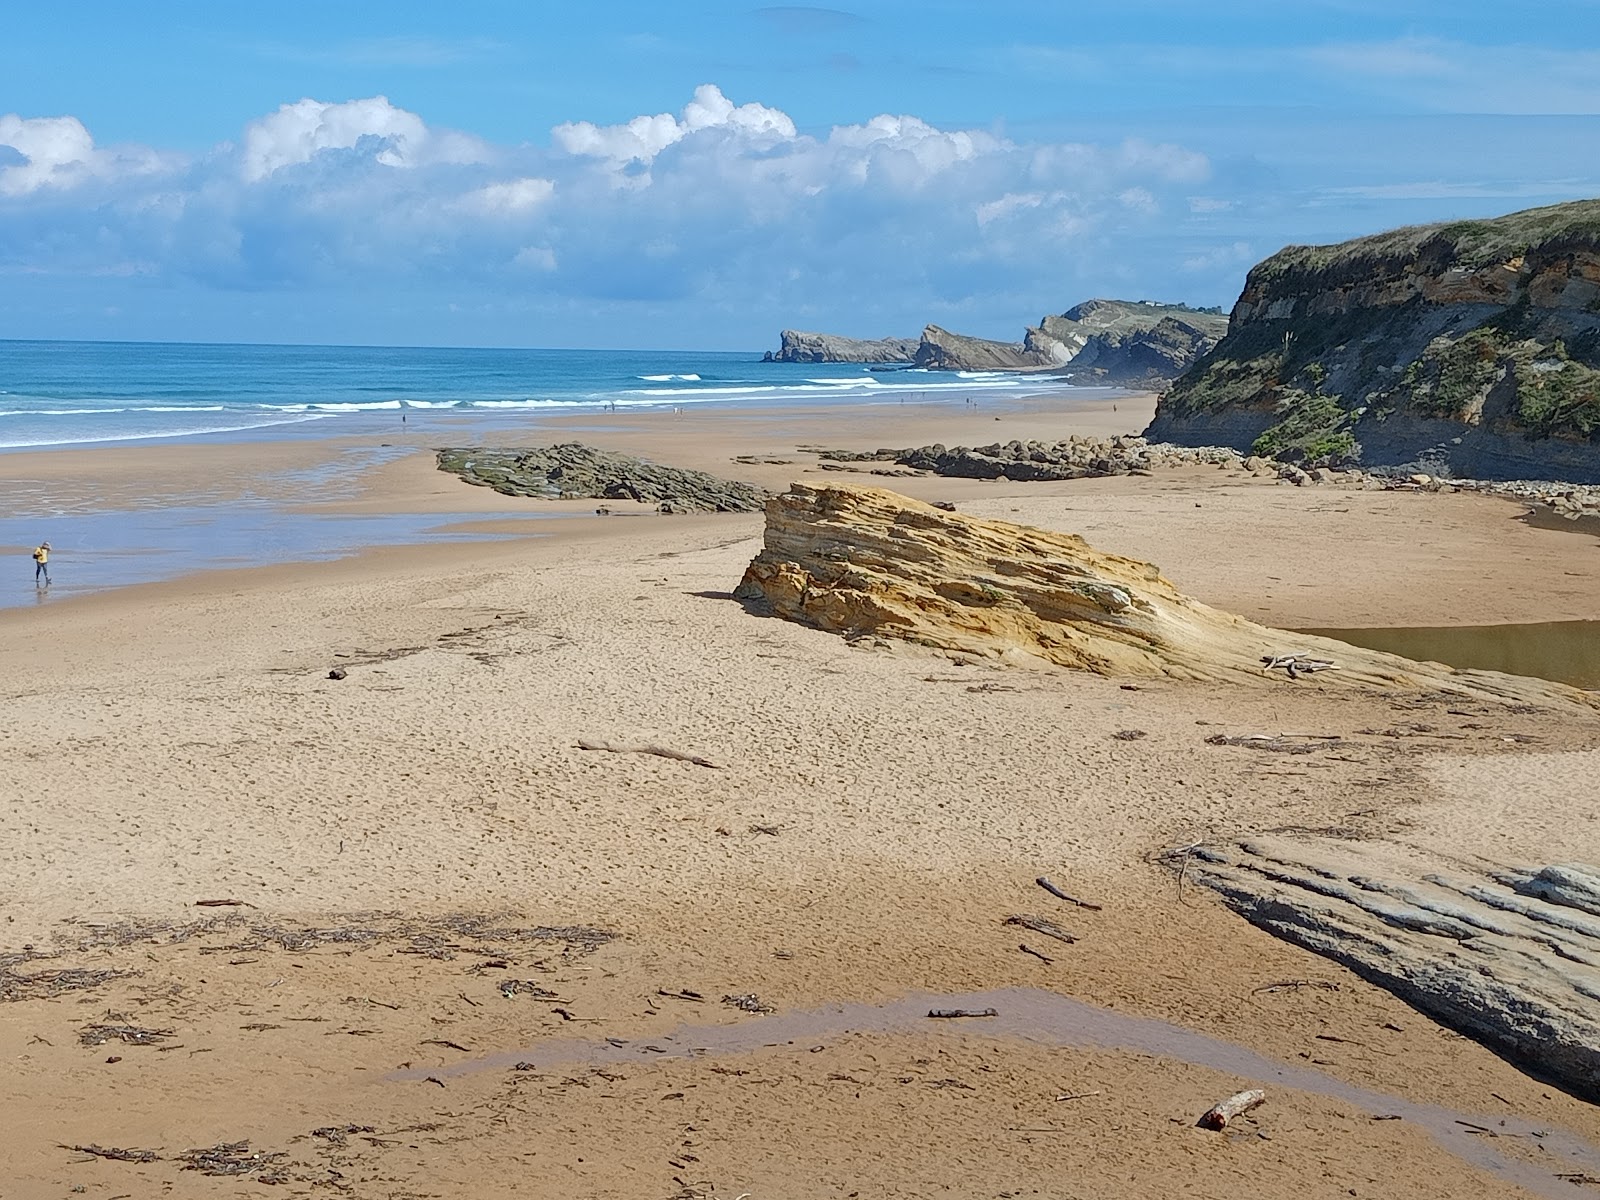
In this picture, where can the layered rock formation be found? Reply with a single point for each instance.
(941, 350)
(1130, 344)
(1472, 348)
(798, 347)
(1112, 342)
(573, 471)
(859, 561)
(1510, 957)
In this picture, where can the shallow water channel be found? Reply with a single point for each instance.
(1033, 1015)
(1563, 651)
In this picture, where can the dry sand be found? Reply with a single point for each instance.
(874, 815)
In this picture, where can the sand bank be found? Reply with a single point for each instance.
(873, 816)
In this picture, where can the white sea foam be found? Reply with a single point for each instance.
(670, 378)
(136, 436)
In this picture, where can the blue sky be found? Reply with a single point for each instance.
(702, 175)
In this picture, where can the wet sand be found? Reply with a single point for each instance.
(873, 817)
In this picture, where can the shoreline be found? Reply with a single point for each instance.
(874, 813)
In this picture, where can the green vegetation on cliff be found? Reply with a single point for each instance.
(1492, 325)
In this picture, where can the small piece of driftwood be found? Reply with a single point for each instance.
(1042, 925)
(1218, 1115)
(1042, 957)
(645, 748)
(1044, 882)
(948, 1013)
(223, 904)
(1296, 665)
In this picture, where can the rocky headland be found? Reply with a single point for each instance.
(800, 347)
(1470, 348)
(1112, 342)
(573, 471)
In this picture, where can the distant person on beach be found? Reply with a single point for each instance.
(41, 564)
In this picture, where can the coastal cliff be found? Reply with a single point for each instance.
(1472, 348)
(1112, 342)
(799, 347)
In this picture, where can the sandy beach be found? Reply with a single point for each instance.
(469, 958)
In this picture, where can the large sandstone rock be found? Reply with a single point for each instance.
(1508, 956)
(859, 560)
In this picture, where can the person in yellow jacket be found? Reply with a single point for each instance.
(41, 564)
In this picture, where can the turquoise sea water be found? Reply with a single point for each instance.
(88, 394)
(71, 393)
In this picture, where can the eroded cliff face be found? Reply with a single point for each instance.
(859, 561)
(801, 347)
(1473, 347)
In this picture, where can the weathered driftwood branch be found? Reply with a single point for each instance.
(1041, 925)
(1297, 664)
(963, 1012)
(1044, 882)
(645, 748)
(1218, 1115)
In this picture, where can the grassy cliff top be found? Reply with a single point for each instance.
(1470, 244)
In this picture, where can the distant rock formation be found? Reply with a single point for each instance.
(573, 471)
(1127, 343)
(941, 350)
(1510, 957)
(1469, 348)
(798, 347)
(1111, 342)
(861, 560)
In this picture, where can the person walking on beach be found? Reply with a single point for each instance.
(41, 564)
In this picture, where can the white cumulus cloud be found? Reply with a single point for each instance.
(644, 137)
(298, 132)
(58, 152)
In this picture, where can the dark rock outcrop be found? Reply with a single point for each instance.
(1470, 348)
(798, 347)
(573, 471)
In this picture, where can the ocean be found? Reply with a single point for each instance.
(76, 393)
(86, 394)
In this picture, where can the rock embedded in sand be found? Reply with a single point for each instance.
(860, 560)
(573, 471)
(1510, 957)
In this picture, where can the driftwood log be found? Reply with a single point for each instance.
(1044, 882)
(645, 748)
(950, 1013)
(1218, 1115)
(1042, 925)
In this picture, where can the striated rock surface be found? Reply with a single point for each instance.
(573, 471)
(1508, 956)
(858, 560)
(798, 347)
(1469, 348)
